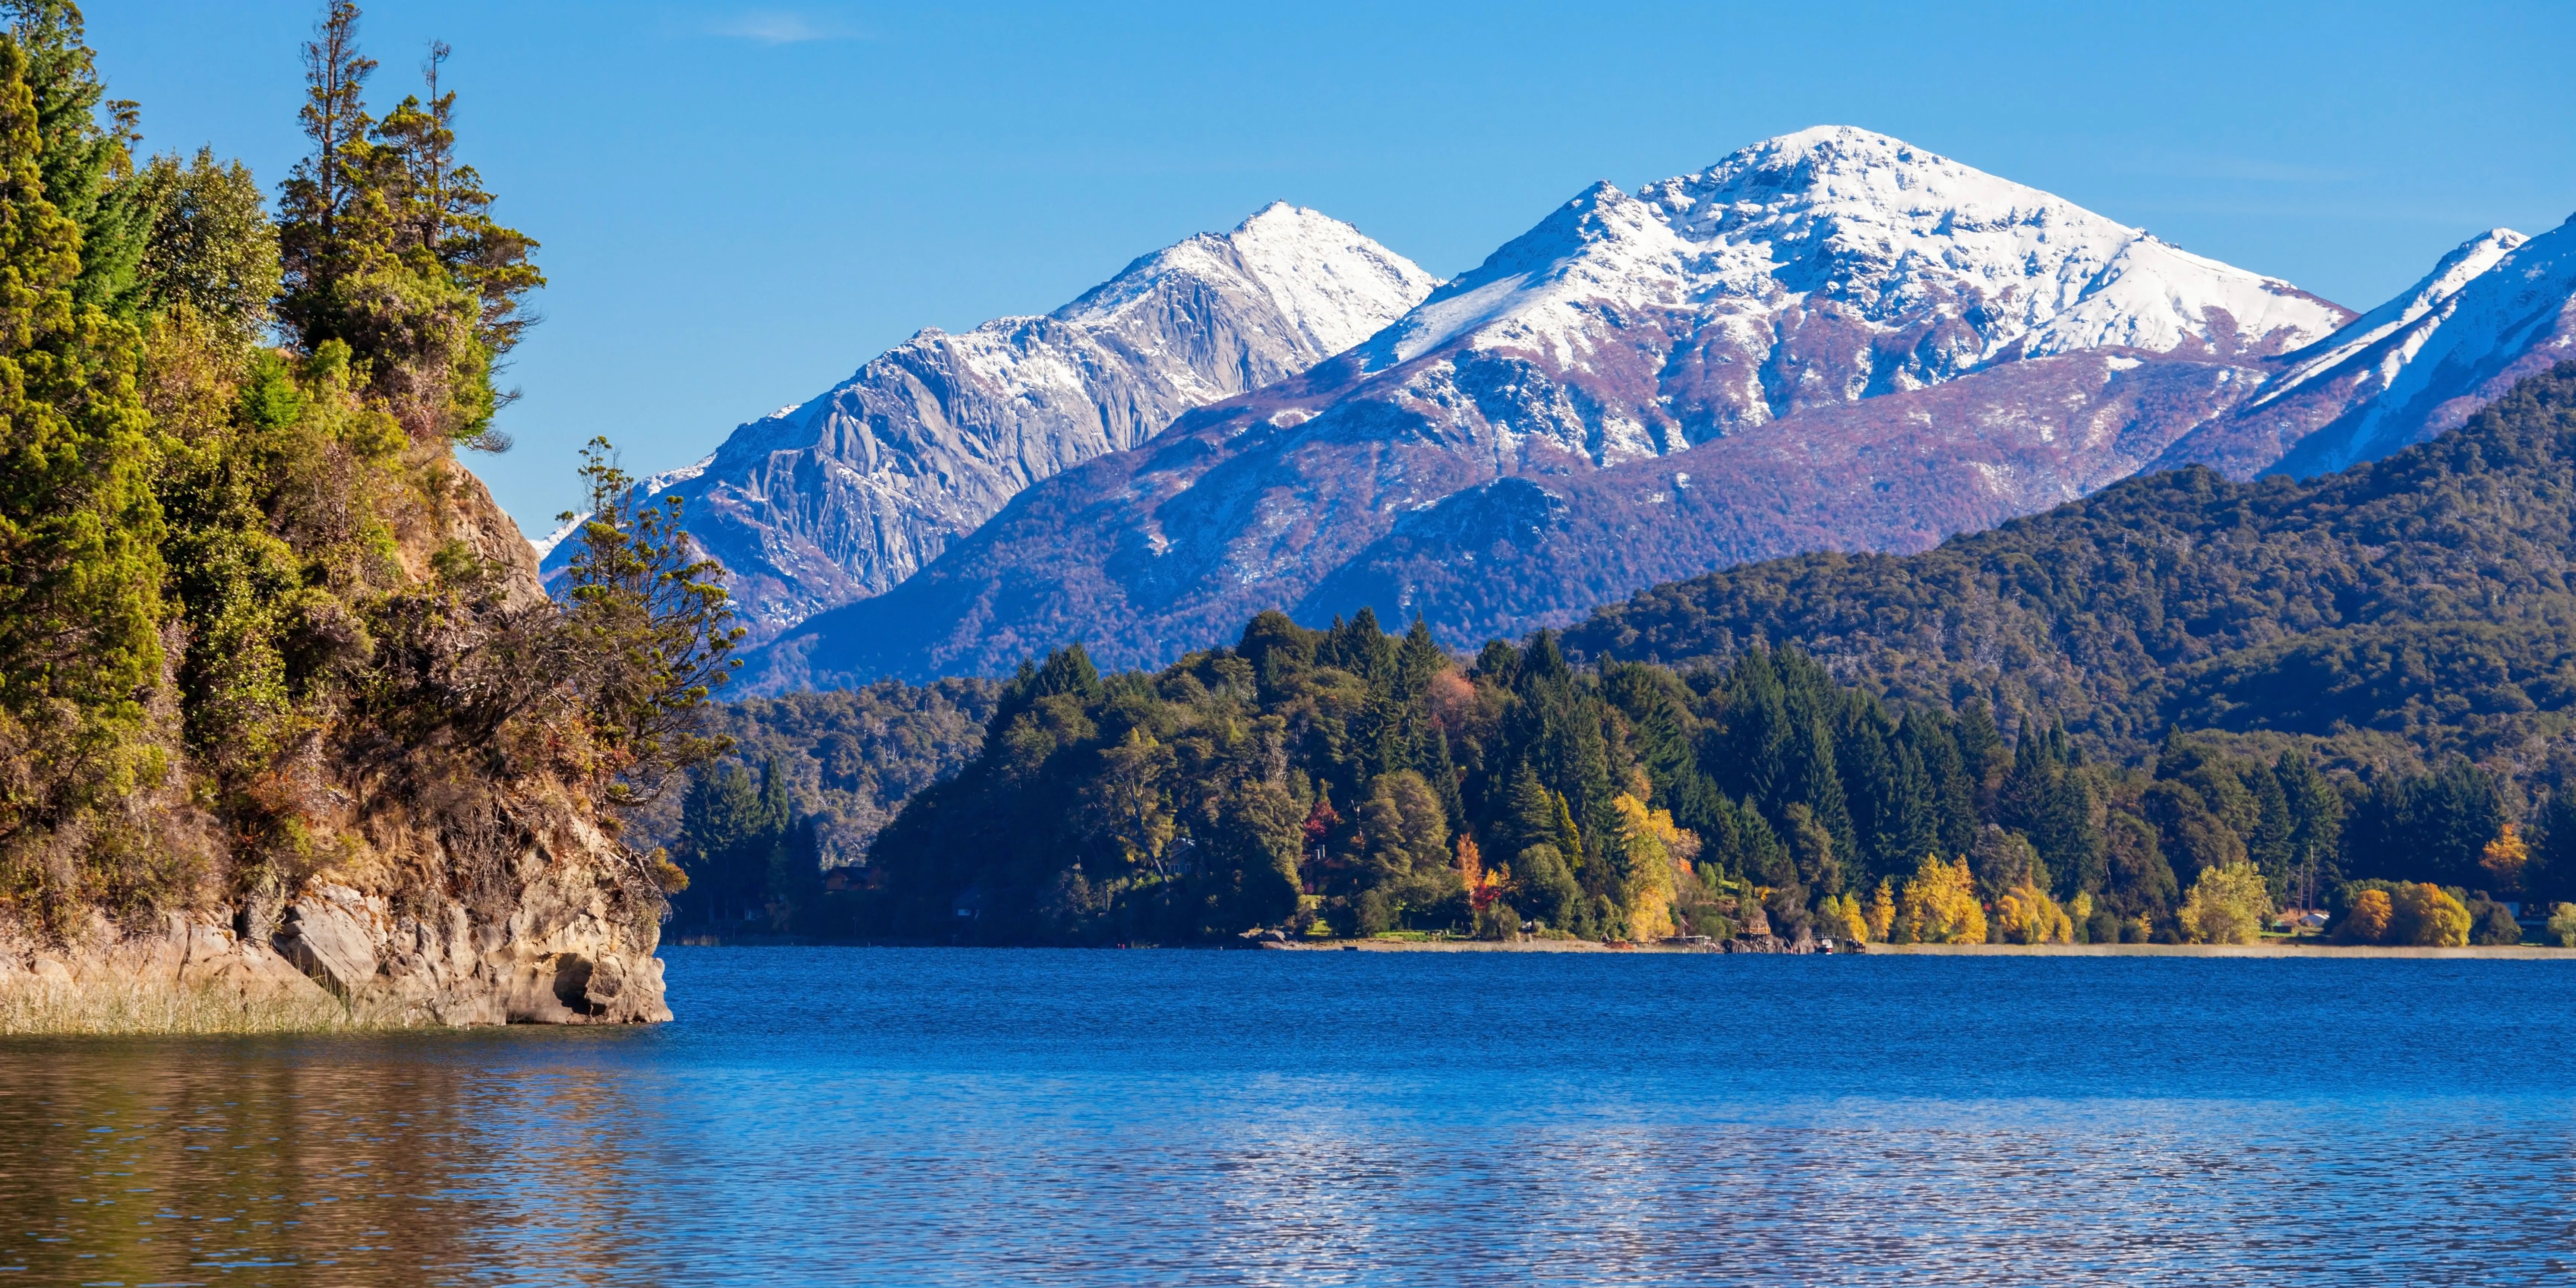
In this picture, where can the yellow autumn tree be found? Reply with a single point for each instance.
(2367, 923)
(2079, 911)
(2026, 915)
(1882, 910)
(2229, 904)
(1654, 846)
(2426, 916)
(1840, 916)
(1939, 904)
(2504, 858)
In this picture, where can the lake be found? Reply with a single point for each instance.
(842, 1115)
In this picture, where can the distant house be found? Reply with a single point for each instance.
(969, 904)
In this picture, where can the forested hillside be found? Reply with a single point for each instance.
(1350, 782)
(809, 781)
(259, 628)
(2330, 687)
(2418, 604)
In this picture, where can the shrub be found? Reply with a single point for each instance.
(2367, 922)
(2492, 925)
(2562, 925)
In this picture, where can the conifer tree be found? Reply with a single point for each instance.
(87, 166)
(80, 528)
(655, 629)
(388, 245)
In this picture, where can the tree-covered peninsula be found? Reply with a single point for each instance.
(281, 698)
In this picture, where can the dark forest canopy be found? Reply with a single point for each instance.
(1351, 782)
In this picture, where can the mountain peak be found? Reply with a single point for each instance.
(849, 492)
(1327, 278)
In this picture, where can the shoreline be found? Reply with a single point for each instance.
(2517, 952)
(2277, 950)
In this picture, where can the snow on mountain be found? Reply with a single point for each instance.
(2496, 309)
(650, 487)
(1778, 313)
(1818, 267)
(848, 493)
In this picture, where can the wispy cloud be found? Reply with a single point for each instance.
(783, 27)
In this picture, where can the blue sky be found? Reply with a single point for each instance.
(741, 204)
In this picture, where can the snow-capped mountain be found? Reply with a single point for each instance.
(1798, 303)
(848, 493)
(1812, 269)
(2497, 309)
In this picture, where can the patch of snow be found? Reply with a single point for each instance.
(646, 492)
(2465, 264)
(1870, 222)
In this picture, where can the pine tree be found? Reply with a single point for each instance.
(87, 166)
(655, 629)
(1532, 810)
(314, 203)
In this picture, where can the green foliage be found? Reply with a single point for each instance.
(2228, 905)
(653, 625)
(748, 861)
(210, 248)
(849, 758)
(254, 622)
(2562, 925)
(388, 245)
(80, 529)
(86, 165)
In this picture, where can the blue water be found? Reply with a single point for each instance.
(983, 1116)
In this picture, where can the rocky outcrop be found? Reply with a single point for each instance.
(448, 892)
(566, 951)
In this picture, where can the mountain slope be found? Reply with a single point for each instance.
(2428, 593)
(845, 495)
(1742, 312)
(2497, 309)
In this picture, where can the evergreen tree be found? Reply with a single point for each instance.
(86, 165)
(654, 627)
(80, 528)
(209, 249)
(388, 245)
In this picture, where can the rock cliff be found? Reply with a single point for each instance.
(434, 901)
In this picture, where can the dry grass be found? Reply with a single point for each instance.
(130, 1007)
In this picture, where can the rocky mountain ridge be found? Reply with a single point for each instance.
(847, 494)
(2497, 309)
(1831, 339)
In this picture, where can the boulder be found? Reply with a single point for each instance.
(327, 942)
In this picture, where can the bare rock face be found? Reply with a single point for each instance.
(567, 952)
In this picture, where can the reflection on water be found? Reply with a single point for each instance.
(873, 1116)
